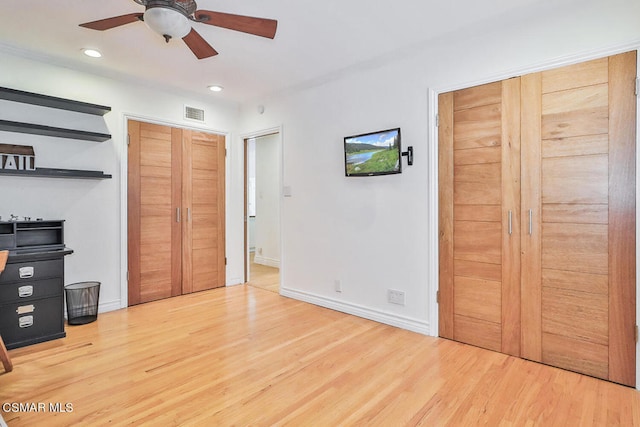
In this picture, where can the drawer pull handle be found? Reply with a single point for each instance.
(25, 272)
(25, 291)
(25, 321)
(23, 309)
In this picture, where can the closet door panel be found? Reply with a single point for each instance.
(478, 332)
(574, 281)
(575, 314)
(575, 179)
(479, 299)
(478, 241)
(477, 96)
(477, 127)
(592, 97)
(577, 355)
(576, 213)
(582, 170)
(205, 229)
(474, 289)
(154, 196)
(576, 146)
(486, 213)
(446, 162)
(575, 183)
(474, 156)
(577, 75)
(479, 270)
(575, 247)
(530, 215)
(622, 218)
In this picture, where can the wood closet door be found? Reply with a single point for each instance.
(203, 198)
(479, 172)
(154, 195)
(176, 219)
(578, 295)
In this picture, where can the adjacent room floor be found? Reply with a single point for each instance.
(263, 276)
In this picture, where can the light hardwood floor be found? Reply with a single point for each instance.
(263, 276)
(245, 356)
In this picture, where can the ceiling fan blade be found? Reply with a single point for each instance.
(116, 21)
(257, 26)
(198, 45)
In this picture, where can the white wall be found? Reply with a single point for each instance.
(94, 211)
(377, 233)
(267, 225)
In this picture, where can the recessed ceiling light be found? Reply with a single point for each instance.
(215, 88)
(92, 53)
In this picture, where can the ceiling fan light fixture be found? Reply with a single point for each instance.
(167, 22)
(92, 53)
(215, 88)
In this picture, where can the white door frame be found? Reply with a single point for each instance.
(244, 137)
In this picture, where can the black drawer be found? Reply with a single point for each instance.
(30, 290)
(29, 323)
(32, 270)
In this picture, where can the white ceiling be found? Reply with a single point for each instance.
(314, 39)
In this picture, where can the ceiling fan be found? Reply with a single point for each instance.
(171, 19)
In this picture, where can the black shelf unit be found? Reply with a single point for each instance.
(35, 129)
(57, 173)
(52, 101)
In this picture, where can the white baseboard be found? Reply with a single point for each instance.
(103, 307)
(271, 262)
(232, 281)
(360, 311)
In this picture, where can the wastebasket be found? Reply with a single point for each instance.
(82, 302)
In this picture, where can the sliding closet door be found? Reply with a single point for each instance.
(203, 198)
(479, 146)
(154, 197)
(578, 218)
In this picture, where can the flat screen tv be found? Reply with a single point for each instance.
(375, 153)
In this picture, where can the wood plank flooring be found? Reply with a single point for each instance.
(246, 356)
(263, 276)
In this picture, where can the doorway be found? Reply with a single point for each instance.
(262, 159)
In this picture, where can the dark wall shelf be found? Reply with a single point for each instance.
(57, 173)
(33, 129)
(53, 102)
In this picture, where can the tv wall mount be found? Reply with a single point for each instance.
(409, 154)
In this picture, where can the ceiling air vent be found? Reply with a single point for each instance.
(193, 113)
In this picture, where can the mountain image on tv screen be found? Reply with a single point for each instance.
(376, 153)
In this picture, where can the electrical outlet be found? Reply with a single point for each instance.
(395, 297)
(337, 285)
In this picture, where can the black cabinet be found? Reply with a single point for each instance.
(32, 284)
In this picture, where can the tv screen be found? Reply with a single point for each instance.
(376, 153)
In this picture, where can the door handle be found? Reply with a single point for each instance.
(177, 214)
(510, 223)
(530, 222)
(188, 214)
